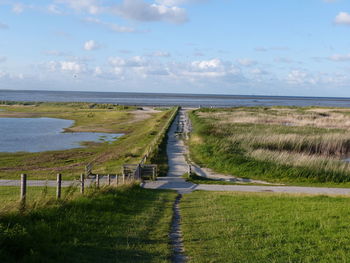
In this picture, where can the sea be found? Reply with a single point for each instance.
(170, 99)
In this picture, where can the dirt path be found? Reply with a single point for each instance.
(176, 235)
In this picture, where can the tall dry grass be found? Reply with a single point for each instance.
(336, 144)
(310, 143)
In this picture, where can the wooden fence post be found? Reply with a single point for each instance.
(154, 173)
(82, 183)
(117, 179)
(59, 186)
(23, 189)
(109, 179)
(97, 180)
(138, 172)
(123, 177)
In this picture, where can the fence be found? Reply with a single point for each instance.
(153, 147)
(142, 170)
(30, 191)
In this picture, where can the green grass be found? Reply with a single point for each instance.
(36, 196)
(126, 224)
(106, 157)
(255, 143)
(240, 227)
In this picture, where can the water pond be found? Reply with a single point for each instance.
(44, 134)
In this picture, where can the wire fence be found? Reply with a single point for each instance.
(24, 192)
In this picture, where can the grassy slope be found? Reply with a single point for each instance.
(234, 227)
(213, 149)
(128, 224)
(106, 157)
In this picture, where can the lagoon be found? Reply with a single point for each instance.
(44, 134)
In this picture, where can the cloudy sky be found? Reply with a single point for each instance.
(273, 47)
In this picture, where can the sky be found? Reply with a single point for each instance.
(250, 47)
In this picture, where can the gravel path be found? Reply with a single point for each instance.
(176, 160)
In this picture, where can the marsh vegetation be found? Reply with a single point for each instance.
(280, 144)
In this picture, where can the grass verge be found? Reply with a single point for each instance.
(241, 227)
(126, 224)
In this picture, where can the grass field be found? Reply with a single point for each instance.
(139, 126)
(277, 144)
(126, 224)
(238, 227)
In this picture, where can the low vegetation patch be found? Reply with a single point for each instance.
(281, 144)
(241, 227)
(125, 224)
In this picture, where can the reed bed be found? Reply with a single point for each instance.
(276, 143)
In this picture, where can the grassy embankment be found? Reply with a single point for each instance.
(125, 224)
(140, 128)
(279, 144)
(240, 227)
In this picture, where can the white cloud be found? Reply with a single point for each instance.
(300, 77)
(283, 60)
(141, 67)
(91, 45)
(18, 8)
(54, 9)
(139, 10)
(246, 62)
(72, 66)
(67, 66)
(266, 49)
(159, 53)
(90, 6)
(342, 18)
(3, 26)
(178, 2)
(98, 71)
(259, 71)
(55, 53)
(143, 11)
(109, 26)
(213, 68)
(207, 64)
(339, 57)
(136, 61)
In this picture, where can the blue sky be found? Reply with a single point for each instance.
(274, 47)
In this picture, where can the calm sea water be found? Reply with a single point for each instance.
(155, 99)
(43, 134)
